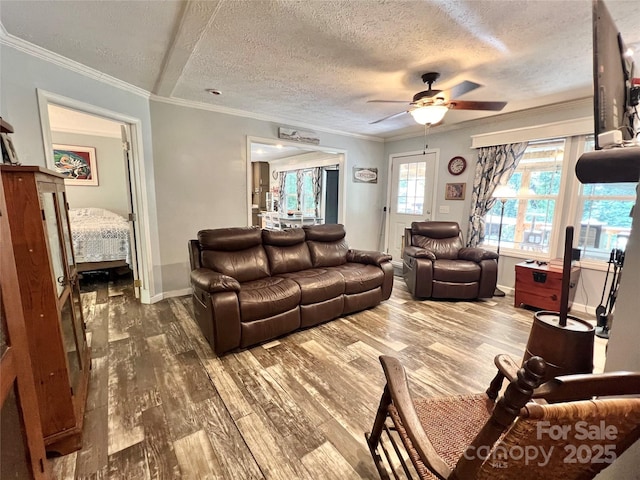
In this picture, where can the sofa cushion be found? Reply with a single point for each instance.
(243, 265)
(456, 271)
(359, 278)
(317, 284)
(328, 254)
(286, 250)
(229, 239)
(236, 252)
(328, 232)
(267, 297)
(446, 248)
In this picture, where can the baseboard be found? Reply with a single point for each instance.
(172, 293)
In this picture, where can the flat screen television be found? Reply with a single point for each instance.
(612, 77)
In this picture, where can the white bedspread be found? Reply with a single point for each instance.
(99, 235)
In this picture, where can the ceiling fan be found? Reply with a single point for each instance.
(430, 106)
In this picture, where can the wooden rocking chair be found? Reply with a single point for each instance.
(476, 437)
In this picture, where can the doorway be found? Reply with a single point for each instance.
(331, 196)
(287, 156)
(104, 213)
(412, 195)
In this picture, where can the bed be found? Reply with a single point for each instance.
(100, 239)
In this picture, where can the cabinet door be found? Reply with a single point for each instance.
(66, 232)
(48, 203)
(78, 323)
(73, 345)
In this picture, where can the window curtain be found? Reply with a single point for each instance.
(316, 182)
(299, 187)
(495, 165)
(282, 200)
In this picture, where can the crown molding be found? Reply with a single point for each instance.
(51, 57)
(258, 116)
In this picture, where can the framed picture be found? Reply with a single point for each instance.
(296, 135)
(78, 164)
(8, 150)
(455, 191)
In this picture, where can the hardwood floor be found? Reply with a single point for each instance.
(161, 405)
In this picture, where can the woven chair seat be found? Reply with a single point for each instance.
(570, 427)
(449, 439)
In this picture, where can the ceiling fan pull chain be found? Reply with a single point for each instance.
(426, 145)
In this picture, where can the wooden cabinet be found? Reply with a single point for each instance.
(50, 294)
(22, 451)
(540, 286)
(260, 184)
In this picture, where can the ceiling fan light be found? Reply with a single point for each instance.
(429, 114)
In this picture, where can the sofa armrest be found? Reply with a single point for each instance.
(213, 282)
(367, 257)
(418, 252)
(475, 254)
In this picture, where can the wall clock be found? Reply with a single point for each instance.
(457, 165)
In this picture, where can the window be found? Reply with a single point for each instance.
(603, 215)
(600, 213)
(530, 217)
(307, 199)
(411, 188)
(290, 192)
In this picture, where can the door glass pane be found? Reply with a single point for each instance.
(49, 206)
(411, 182)
(14, 460)
(65, 228)
(69, 340)
(79, 320)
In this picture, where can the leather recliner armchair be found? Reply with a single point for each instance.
(437, 265)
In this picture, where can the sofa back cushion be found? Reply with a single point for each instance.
(442, 238)
(286, 250)
(236, 252)
(327, 245)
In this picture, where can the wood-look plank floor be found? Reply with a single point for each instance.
(161, 405)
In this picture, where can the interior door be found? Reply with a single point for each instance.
(126, 150)
(413, 181)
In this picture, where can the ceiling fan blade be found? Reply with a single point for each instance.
(462, 88)
(387, 101)
(388, 117)
(471, 105)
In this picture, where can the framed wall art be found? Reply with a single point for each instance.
(9, 154)
(455, 191)
(77, 164)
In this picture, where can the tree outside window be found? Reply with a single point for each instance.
(529, 217)
(600, 216)
(604, 215)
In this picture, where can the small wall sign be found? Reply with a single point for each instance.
(365, 175)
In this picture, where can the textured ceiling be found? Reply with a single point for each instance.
(318, 62)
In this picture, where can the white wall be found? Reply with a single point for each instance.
(21, 74)
(623, 352)
(111, 191)
(201, 180)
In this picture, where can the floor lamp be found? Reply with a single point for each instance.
(502, 193)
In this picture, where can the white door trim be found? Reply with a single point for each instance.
(138, 184)
(341, 161)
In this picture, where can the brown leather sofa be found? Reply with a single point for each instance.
(437, 265)
(252, 285)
